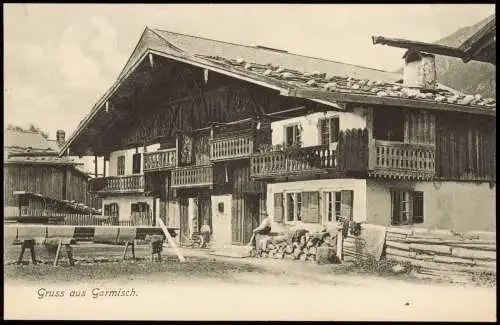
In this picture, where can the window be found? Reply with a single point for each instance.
(140, 207)
(388, 123)
(136, 163)
(407, 207)
(293, 134)
(332, 205)
(329, 130)
(120, 165)
(111, 210)
(293, 207)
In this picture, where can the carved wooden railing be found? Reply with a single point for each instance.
(192, 176)
(133, 183)
(303, 160)
(160, 160)
(233, 147)
(403, 160)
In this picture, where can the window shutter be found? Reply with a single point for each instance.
(321, 131)
(346, 198)
(278, 207)
(334, 129)
(396, 203)
(311, 207)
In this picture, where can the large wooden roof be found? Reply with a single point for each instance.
(329, 82)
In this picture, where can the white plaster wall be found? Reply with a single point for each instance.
(459, 206)
(358, 186)
(128, 153)
(221, 221)
(124, 204)
(310, 131)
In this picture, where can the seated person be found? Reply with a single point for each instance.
(263, 229)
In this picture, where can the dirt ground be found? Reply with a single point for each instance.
(101, 265)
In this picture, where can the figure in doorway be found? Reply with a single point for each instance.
(263, 229)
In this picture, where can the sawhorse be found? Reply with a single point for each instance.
(127, 244)
(27, 244)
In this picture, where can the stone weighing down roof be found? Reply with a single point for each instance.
(316, 80)
(27, 141)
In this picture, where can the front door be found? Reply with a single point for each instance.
(251, 218)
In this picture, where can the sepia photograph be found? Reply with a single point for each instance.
(304, 162)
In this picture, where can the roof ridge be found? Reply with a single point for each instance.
(256, 48)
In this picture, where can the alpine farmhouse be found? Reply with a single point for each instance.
(197, 131)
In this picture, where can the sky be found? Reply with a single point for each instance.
(59, 59)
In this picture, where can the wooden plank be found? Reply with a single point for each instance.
(58, 253)
(170, 239)
(474, 254)
(431, 248)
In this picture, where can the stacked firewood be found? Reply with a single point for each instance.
(315, 247)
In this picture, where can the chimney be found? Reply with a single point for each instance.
(60, 137)
(419, 70)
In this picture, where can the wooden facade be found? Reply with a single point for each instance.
(50, 183)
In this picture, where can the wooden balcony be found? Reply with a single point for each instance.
(231, 147)
(118, 184)
(318, 159)
(160, 160)
(402, 160)
(193, 176)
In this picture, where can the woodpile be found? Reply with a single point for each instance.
(316, 247)
(442, 253)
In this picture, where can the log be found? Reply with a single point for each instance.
(270, 246)
(487, 264)
(424, 257)
(484, 235)
(400, 231)
(452, 259)
(400, 252)
(305, 251)
(439, 266)
(398, 245)
(441, 249)
(312, 250)
(473, 254)
(484, 247)
(289, 249)
(447, 242)
(432, 232)
(302, 257)
(310, 243)
(396, 237)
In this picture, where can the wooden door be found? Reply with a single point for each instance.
(251, 217)
(184, 220)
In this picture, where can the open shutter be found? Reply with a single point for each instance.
(311, 207)
(278, 207)
(346, 198)
(321, 131)
(395, 208)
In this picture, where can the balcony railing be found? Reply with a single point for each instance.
(192, 176)
(316, 159)
(233, 147)
(160, 160)
(402, 159)
(118, 184)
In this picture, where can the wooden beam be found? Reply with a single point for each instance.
(95, 166)
(390, 101)
(420, 46)
(170, 239)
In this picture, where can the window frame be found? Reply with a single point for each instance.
(328, 120)
(407, 199)
(120, 165)
(326, 204)
(139, 163)
(296, 135)
(378, 115)
(296, 210)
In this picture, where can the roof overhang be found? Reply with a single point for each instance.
(196, 61)
(479, 47)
